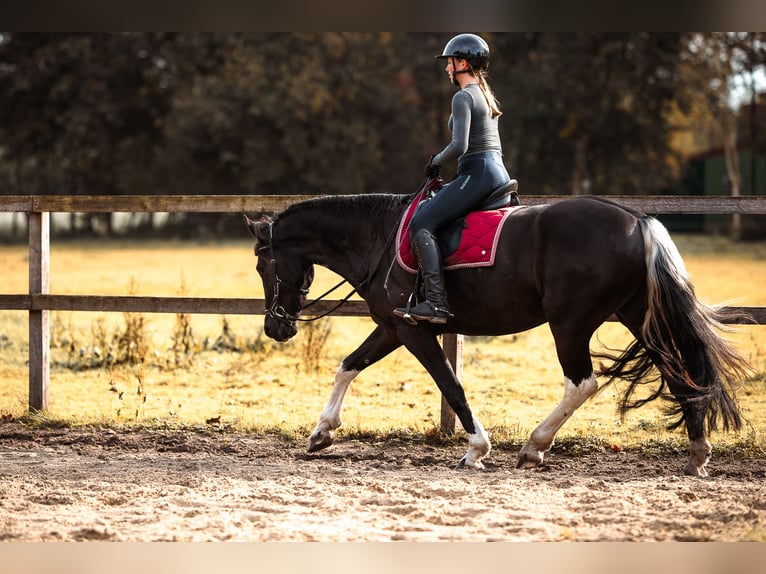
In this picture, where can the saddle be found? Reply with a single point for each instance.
(471, 241)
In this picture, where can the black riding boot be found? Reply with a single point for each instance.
(434, 309)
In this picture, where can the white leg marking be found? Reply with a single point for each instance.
(329, 420)
(478, 447)
(542, 437)
(700, 455)
(331, 413)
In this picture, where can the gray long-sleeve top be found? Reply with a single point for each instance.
(473, 128)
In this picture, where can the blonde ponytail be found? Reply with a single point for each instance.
(494, 105)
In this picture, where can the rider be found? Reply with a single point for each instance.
(480, 170)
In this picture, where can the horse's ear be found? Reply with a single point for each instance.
(249, 223)
(256, 228)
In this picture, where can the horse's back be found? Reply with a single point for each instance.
(581, 249)
(588, 226)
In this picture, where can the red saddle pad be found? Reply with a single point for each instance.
(478, 244)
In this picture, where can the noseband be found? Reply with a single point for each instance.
(275, 310)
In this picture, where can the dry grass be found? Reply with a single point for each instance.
(221, 371)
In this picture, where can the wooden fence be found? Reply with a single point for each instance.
(39, 301)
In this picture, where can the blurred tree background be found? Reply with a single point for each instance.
(331, 113)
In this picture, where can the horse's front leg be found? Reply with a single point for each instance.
(377, 345)
(425, 347)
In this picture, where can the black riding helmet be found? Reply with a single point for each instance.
(469, 47)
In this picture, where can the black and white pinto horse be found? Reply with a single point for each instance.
(572, 264)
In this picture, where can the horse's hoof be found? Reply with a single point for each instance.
(320, 442)
(694, 470)
(463, 464)
(527, 461)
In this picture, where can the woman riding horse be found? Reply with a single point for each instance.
(476, 145)
(584, 260)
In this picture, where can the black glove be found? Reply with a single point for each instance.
(432, 170)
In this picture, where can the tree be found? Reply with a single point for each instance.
(299, 113)
(326, 113)
(589, 112)
(714, 64)
(80, 107)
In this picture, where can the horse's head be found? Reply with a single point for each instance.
(286, 277)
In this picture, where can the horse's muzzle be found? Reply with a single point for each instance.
(279, 329)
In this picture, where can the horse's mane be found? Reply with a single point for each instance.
(376, 205)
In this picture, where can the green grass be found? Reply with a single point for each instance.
(222, 374)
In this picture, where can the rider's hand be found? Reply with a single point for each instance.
(432, 170)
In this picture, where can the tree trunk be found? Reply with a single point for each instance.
(731, 155)
(579, 171)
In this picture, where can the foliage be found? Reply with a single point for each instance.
(289, 113)
(589, 112)
(714, 65)
(82, 112)
(314, 343)
(205, 113)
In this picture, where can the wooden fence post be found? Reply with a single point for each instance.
(39, 331)
(453, 348)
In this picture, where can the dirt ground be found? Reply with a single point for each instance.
(131, 485)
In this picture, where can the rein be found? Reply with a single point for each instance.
(279, 312)
(325, 294)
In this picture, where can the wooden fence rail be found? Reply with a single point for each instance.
(39, 301)
(653, 204)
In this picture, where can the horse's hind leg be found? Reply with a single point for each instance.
(632, 316)
(575, 394)
(579, 385)
(693, 407)
(377, 345)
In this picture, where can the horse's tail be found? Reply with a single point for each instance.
(680, 337)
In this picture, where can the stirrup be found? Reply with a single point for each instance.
(404, 313)
(437, 315)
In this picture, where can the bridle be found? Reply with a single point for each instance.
(277, 311)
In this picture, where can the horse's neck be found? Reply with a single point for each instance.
(346, 247)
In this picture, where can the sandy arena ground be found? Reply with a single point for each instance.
(128, 485)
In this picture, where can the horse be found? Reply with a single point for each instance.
(572, 264)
